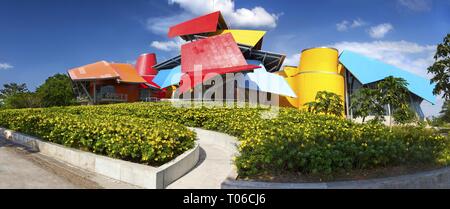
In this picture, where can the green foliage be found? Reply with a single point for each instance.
(441, 69)
(22, 100)
(12, 89)
(14, 96)
(394, 93)
(56, 91)
(404, 115)
(318, 144)
(125, 137)
(327, 103)
(445, 112)
(366, 102)
(295, 141)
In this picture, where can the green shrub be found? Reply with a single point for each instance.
(295, 141)
(130, 138)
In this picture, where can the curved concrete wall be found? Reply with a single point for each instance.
(133, 173)
(436, 179)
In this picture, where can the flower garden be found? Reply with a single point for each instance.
(293, 142)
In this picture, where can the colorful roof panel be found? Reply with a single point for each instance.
(246, 37)
(104, 70)
(264, 81)
(204, 24)
(94, 71)
(127, 73)
(215, 52)
(368, 70)
(166, 78)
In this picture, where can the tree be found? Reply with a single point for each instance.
(15, 95)
(441, 69)
(56, 91)
(445, 112)
(366, 102)
(441, 76)
(394, 93)
(404, 114)
(22, 100)
(327, 103)
(11, 89)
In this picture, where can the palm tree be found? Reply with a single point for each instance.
(394, 93)
(327, 103)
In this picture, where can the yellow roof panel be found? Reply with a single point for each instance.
(247, 37)
(291, 71)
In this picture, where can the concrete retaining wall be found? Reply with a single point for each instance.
(436, 179)
(133, 173)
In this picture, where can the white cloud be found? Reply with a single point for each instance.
(345, 24)
(168, 45)
(380, 31)
(417, 5)
(432, 110)
(358, 23)
(292, 60)
(161, 25)
(342, 26)
(256, 17)
(5, 66)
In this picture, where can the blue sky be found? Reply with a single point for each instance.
(41, 38)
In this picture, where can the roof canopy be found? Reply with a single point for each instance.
(271, 61)
(368, 70)
(127, 73)
(168, 64)
(201, 25)
(251, 38)
(104, 70)
(94, 71)
(170, 77)
(264, 81)
(211, 53)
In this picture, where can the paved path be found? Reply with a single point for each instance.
(215, 162)
(21, 169)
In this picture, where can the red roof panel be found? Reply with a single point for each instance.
(211, 53)
(204, 24)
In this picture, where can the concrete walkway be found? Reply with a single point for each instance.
(22, 169)
(18, 172)
(215, 164)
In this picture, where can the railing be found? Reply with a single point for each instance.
(112, 97)
(150, 99)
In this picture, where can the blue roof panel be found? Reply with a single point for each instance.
(166, 78)
(262, 80)
(368, 70)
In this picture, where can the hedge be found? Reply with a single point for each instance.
(129, 138)
(295, 141)
(298, 141)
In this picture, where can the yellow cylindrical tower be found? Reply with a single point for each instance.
(319, 71)
(290, 74)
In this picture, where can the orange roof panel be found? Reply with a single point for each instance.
(127, 73)
(95, 71)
